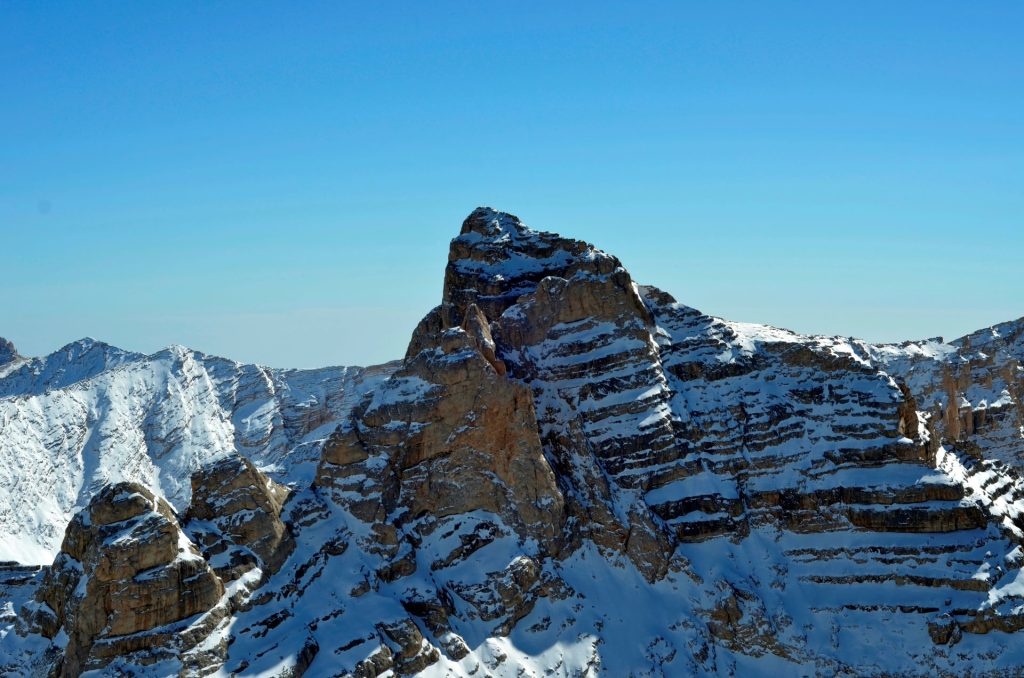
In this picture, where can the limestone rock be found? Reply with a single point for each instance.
(495, 259)
(458, 432)
(242, 504)
(125, 572)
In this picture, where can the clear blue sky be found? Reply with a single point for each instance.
(278, 182)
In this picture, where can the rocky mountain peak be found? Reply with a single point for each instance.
(7, 351)
(126, 571)
(489, 222)
(496, 259)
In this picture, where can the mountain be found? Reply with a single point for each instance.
(90, 414)
(567, 474)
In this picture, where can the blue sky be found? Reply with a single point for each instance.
(278, 183)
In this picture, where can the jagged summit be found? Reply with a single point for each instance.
(496, 259)
(7, 352)
(490, 222)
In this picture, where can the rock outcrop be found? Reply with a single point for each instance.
(7, 352)
(126, 582)
(459, 433)
(235, 516)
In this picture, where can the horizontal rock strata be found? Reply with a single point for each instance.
(568, 473)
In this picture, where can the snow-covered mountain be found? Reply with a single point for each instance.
(568, 474)
(90, 414)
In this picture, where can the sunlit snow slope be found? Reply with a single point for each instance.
(91, 414)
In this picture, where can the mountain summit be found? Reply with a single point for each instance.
(567, 474)
(7, 352)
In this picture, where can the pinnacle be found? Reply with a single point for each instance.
(7, 351)
(488, 221)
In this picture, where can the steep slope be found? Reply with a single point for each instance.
(90, 414)
(973, 387)
(727, 498)
(127, 582)
(570, 474)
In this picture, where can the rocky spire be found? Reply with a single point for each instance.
(496, 259)
(125, 572)
(7, 351)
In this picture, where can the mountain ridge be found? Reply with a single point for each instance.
(568, 473)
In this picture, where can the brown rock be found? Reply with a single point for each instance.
(459, 434)
(125, 568)
(245, 506)
(410, 651)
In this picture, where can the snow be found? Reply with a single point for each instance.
(91, 414)
(700, 484)
(400, 390)
(881, 477)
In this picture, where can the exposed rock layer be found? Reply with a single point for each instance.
(125, 569)
(235, 506)
(569, 472)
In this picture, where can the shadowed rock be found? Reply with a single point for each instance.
(7, 351)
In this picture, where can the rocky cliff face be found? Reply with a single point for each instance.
(128, 585)
(573, 474)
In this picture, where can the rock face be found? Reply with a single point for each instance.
(236, 516)
(125, 575)
(460, 434)
(573, 474)
(7, 352)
